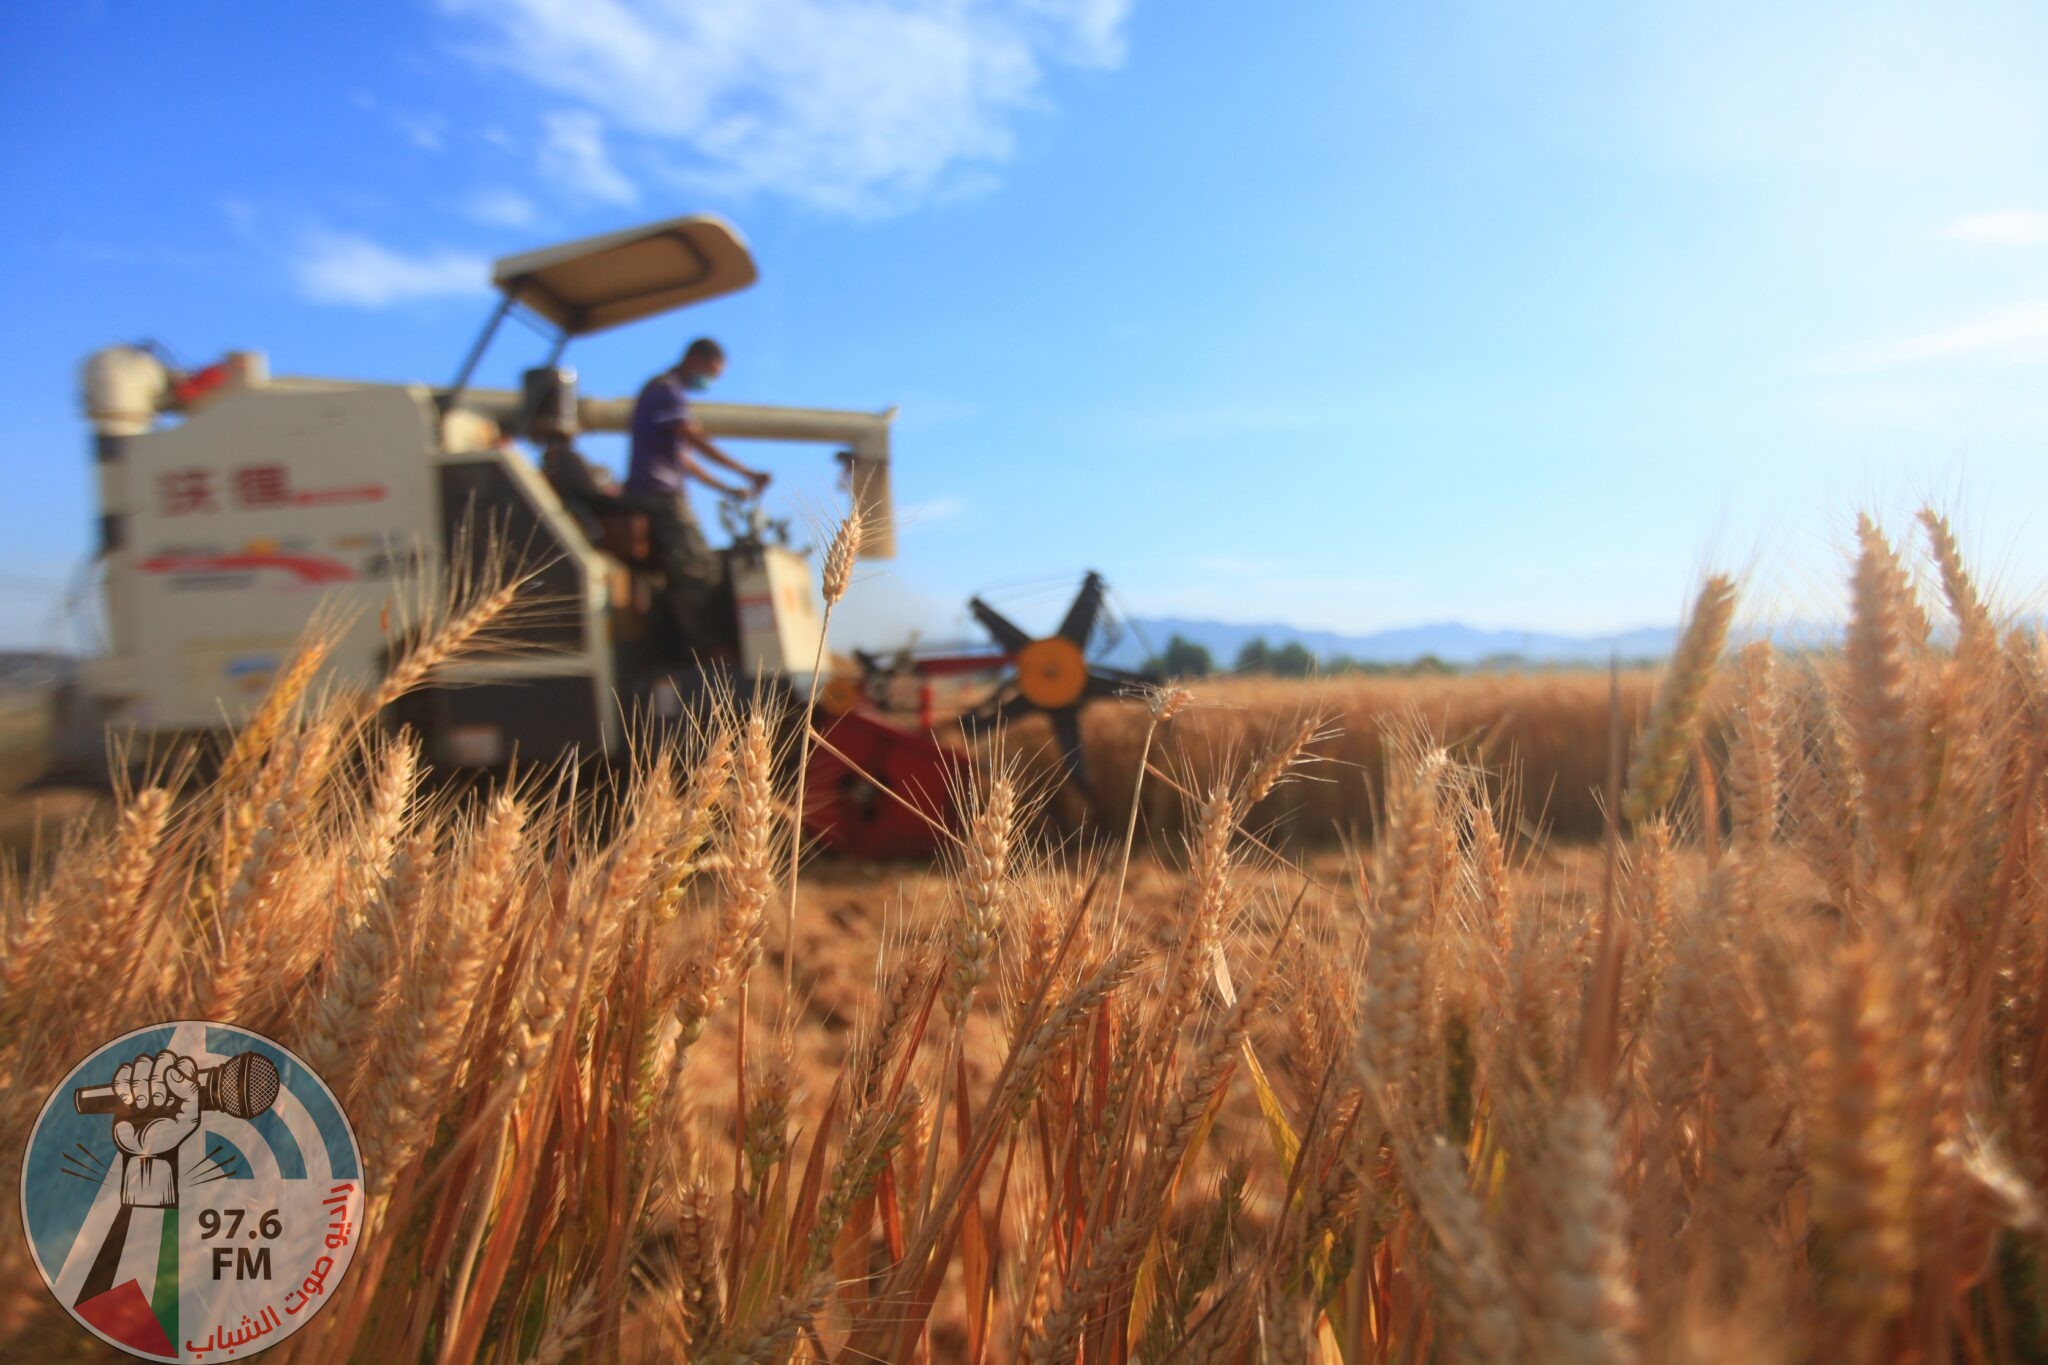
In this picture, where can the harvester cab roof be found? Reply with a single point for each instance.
(596, 283)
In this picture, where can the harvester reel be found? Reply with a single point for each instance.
(1053, 676)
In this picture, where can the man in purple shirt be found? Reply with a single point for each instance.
(666, 445)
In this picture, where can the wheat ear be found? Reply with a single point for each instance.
(749, 881)
(1884, 715)
(1753, 753)
(983, 886)
(1395, 1004)
(1667, 739)
(1587, 1298)
(1856, 1146)
(1464, 1262)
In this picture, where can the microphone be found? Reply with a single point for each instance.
(241, 1087)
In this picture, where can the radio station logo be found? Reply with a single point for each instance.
(192, 1191)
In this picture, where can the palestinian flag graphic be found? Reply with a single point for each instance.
(130, 1293)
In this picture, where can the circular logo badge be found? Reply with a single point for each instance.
(192, 1191)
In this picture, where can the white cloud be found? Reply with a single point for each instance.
(2015, 334)
(425, 131)
(1087, 32)
(573, 154)
(852, 105)
(344, 268)
(2013, 227)
(499, 208)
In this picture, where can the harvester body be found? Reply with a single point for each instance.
(236, 507)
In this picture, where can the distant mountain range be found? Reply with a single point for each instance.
(1452, 642)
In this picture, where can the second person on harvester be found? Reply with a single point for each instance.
(666, 445)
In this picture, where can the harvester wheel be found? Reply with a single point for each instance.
(1054, 677)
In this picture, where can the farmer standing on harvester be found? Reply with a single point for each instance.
(666, 441)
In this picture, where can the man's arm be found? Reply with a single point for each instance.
(693, 470)
(693, 436)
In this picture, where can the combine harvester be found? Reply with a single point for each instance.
(233, 504)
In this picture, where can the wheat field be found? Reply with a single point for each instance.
(1540, 739)
(1759, 1072)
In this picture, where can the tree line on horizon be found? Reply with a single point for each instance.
(1185, 658)
(1257, 657)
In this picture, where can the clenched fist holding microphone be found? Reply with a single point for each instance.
(156, 1101)
(156, 1108)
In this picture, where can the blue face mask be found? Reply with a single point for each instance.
(696, 383)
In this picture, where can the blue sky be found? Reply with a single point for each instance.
(1348, 315)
